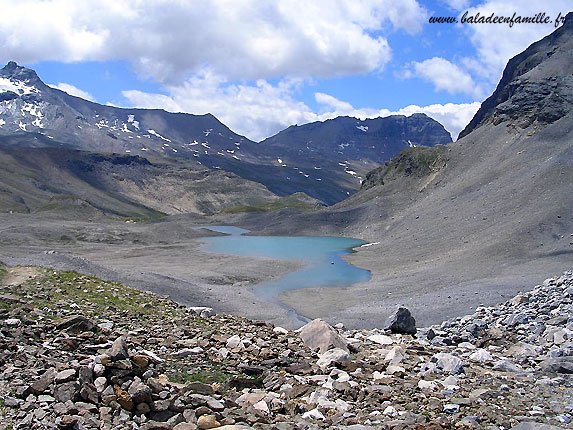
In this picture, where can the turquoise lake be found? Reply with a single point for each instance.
(324, 266)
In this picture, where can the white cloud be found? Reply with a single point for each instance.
(256, 111)
(241, 39)
(497, 43)
(457, 4)
(445, 76)
(343, 108)
(262, 110)
(454, 117)
(73, 91)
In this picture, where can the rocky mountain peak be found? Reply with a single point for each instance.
(14, 71)
(536, 86)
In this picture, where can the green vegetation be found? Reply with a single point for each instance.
(154, 215)
(280, 203)
(216, 374)
(418, 161)
(93, 296)
(98, 296)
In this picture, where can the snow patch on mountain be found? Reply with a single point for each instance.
(132, 121)
(18, 87)
(153, 132)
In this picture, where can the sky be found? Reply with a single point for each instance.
(262, 65)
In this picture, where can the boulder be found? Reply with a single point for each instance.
(535, 426)
(205, 422)
(401, 321)
(66, 391)
(139, 392)
(65, 376)
(320, 336)
(75, 324)
(557, 365)
(380, 339)
(447, 363)
(336, 355)
(118, 349)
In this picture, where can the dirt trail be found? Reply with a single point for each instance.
(18, 275)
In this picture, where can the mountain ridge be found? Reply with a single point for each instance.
(27, 105)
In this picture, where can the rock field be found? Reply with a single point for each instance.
(80, 353)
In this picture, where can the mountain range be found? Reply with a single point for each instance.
(326, 160)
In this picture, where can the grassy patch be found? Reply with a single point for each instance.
(216, 374)
(416, 162)
(97, 297)
(280, 203)
(419, 161)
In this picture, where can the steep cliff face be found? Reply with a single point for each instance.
(536, 87)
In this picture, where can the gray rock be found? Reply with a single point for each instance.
(516, 319)
(12, 322)
(11, 402)
(320, 336)
(139, 392)
(451, 408)
(336, 355)
(447, 363)
(507, 366)
(202, 311)
(89, 393)
(118, 350)
(535, 426)
(65, 376)
(66, 391)
(401, 321)
(40, 385)
(75, 324)
(558, 365)
(186, 352)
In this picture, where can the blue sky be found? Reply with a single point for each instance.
(260, 66)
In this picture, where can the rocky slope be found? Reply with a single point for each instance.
(81, 353)
(34, 114)
(84, 183)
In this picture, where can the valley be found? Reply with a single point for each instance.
(159, 271)
(450, 226)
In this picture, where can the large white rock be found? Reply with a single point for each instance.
(313, 414)
(336, 355)
(262, 406)
(234, 342)
(395, 355)
(481, 356)
(380, 339)
(320, 336)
